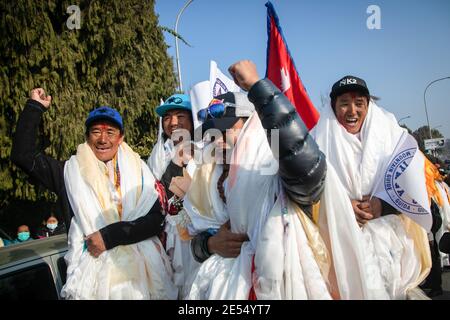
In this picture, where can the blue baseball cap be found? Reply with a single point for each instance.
(176, 101)
(104, 113)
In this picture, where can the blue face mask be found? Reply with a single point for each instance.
(52, 226)
(23, 236)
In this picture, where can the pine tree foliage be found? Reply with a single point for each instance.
(118, 57)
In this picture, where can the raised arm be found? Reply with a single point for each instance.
(25, 152)
(302, 166)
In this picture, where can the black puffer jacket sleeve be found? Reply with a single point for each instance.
(302, 166)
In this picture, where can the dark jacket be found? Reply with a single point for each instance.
(302, 166)
(172, 170)
(15, 241)
(45, 232)
(49, 172)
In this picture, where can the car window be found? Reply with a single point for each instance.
(62, 268)
(34, 282)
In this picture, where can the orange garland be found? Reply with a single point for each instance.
(431, 175)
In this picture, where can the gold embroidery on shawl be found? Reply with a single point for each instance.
(315, 212)
(95, 173)
(421, 245)
(315, 241)
(199, 192)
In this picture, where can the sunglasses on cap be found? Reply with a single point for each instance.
(216, 109)
(176, 100)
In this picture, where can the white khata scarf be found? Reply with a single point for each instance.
(289, 256)
(389, 255)
(177, 247)
(136, 271)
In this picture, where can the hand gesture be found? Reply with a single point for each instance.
(366, 209)
(180, 185)
(183, 149)
(244, 74)
(226, 243)
(38, 94)
(95, 244)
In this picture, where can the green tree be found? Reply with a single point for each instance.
(118, 57)
(423, 133)
(407, 128)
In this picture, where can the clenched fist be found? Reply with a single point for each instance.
(38, 94)
(244, 74)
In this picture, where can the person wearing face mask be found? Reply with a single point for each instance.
(52, 227)
(23, 234)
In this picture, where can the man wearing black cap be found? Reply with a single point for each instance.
(240, 189)
(350, 100)
(226, 113)
(358, 137)
(302, 179)
(102, 193)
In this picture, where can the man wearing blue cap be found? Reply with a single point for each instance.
(109, 200)
(172, 164)
(176, 122)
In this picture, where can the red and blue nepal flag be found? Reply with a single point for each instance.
(282, 72)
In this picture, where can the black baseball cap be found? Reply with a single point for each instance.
(347, 84)
(239, 107)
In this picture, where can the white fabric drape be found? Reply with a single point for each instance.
(161, 154)
(253, 207)
(179, 251)
(358, 162)
(379, 261)
(137, 271)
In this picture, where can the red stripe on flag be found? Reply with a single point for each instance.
(282, 72)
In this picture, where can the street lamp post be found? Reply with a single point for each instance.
(407, 117)
(180, 84)
(425, 101)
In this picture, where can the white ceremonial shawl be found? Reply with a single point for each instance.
(386, 257)
(136, 271)
(254, 195)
